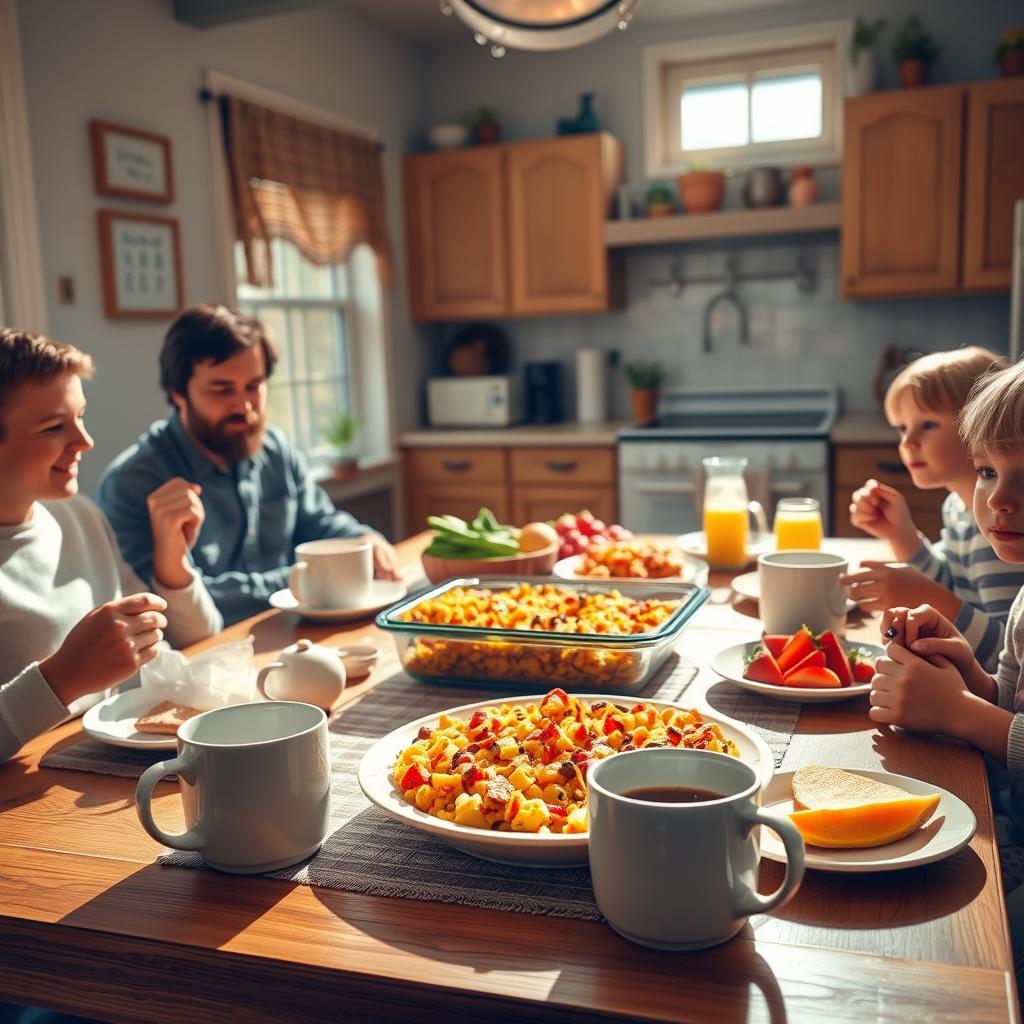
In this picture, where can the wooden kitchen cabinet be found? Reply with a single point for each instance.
(852, 465)
(902, 159)
(513, 230)
(454, 481)
(455, 234)
(549, 481)
(994, 181)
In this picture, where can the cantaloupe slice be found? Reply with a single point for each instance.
(840, 809)
(864, 825)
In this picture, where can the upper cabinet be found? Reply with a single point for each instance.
(995, 181)
(513, 230)
(917, 164)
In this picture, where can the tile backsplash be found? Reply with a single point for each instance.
(794, 337)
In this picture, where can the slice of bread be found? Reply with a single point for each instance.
(165, 718)
(815, 786)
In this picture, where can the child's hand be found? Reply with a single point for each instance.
(107, 646)
(881, 585)
(882, 511)
(908, 691)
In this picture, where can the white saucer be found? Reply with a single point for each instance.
(949, 829)
(113, 721)
(382, 594)
(749, 586)
(696, 544)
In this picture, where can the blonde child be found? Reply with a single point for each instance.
(74, 619)
(960, 575)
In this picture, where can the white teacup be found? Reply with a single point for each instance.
(255, 783)
(681, 875)
(333, 573)
(801, 588)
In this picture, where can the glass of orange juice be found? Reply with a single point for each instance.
(726, 512)
(798, 524)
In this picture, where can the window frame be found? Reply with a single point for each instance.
(743, 58)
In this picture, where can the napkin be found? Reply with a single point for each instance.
(215, 678)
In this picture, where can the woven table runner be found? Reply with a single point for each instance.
(368, 852)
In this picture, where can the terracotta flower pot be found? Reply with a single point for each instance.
(913, 72)
(1012, 63)
(645, 404)
(702, 191)
(488, 132)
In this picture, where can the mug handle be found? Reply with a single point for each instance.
(756, 509)
(753, 902)
(295, 575)
(261, 678)
(189, 840)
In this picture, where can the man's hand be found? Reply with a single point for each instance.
(385, 558)
(107, 646)
(176, 515)
(881, 585)
(882, 511)
(921, 695)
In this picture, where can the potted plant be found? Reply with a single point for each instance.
(483, 123)
(644, 381)
(659, 201)
(701, 190)
(914, 49)
(1009, 54)
(862, 54)
(341, 433)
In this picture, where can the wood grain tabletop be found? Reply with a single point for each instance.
(90, 924)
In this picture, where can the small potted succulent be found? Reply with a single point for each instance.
(914, 49)
(340, 435)
(1009, 54)
(484, 125)
(659, 201)
(862, 54)
(644, 380)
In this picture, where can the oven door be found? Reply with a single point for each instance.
(651, 503)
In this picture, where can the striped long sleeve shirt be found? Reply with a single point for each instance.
(965, 564)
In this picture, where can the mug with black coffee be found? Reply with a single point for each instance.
(673, 846)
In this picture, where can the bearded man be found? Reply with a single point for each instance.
(216, 454)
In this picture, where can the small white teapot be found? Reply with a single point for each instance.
(312, 675)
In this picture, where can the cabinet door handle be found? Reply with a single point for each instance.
(561, 467)
(456, 465)
(891, 467)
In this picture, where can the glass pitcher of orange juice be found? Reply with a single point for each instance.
(798, 524)
(726, 512)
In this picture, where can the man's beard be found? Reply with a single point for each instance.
(231, 445)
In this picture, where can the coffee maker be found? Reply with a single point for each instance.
(544, 393)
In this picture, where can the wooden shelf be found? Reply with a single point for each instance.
(691, 227)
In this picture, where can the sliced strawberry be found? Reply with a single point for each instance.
(763, 668)
(815, 677)
(863, 671)
(835, 656)
(799, 645)
(775, 643)
(414, 776)
(816, 659)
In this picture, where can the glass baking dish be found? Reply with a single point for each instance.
(540, 659)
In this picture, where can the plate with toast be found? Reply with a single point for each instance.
(859, 821)
(133, 718)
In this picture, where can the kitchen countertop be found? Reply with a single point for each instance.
(525, 435)
(863, 428)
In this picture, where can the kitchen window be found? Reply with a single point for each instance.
(761, 98)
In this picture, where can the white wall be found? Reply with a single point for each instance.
(130, 62)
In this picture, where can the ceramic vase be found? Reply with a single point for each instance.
(863, 73)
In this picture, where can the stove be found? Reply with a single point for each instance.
(782, 432)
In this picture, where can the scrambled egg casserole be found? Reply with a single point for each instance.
(523, 767)
(542, 608)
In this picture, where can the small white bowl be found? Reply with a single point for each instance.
(448, 136)
(358, 659)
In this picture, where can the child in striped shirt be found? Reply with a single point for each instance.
(960, 575)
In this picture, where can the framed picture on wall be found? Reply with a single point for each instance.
(140, 257)
(130, 163)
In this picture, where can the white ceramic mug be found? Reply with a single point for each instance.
(681, 875)
(255, 783)
(305, 672)
(801, 588)
(333, 573)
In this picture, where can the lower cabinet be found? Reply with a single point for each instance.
(852, 465)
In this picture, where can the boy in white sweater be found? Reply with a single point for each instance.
(74, 619)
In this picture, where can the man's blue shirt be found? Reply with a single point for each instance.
(256, 512)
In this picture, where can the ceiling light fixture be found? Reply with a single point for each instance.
(540, 24)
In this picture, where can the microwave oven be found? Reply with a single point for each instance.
(492, 401)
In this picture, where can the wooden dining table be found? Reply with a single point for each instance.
(91, 924)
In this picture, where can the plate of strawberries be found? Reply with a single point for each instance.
(804, 668)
